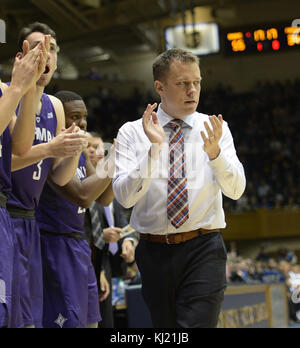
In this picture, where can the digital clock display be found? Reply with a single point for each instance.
(262, 39)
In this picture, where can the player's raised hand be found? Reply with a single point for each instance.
(25, 69)
(151, 125)
(44, 52)
(70, 130)
(69, 143)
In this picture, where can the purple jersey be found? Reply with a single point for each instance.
(28, 183)
(57, 215)
(5, 160)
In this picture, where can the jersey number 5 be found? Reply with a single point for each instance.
(37, 174)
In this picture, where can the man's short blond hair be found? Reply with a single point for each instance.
(161, 65)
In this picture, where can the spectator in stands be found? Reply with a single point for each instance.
(263, 255)
(272, 274)
(293, 286)
(287, 255)
(94, 74)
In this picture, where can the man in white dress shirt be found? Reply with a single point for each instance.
(173, 167)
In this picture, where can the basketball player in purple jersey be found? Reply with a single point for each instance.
(70, 286)
(16, 136)
(31, 172)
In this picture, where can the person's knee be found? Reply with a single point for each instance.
(201, 312)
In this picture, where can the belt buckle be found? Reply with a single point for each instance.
(176, 241)
(167, 239)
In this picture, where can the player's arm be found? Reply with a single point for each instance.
(61, 146)
(84, 193)
(66, 144)
(24, 76)
(22, 128)
(105, 169)
(36, 154)
(64, 169)
(107, 196)
(8, 104)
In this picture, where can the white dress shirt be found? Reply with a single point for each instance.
(142, 182)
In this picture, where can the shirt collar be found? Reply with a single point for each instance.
(164, 118)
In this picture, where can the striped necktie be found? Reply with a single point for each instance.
(113, 246)
(97, 232)
(178, 208)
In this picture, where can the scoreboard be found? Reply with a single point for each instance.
(262, 39)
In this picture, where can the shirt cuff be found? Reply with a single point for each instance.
(133, 241)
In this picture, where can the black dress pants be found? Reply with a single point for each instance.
(106, 307)
(183, 284)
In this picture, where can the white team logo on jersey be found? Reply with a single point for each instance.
(50, 115)
(38, 119)
(60, 321)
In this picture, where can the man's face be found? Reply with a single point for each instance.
(95, 150)
(180, 91)
(34, 39)
(76, 112)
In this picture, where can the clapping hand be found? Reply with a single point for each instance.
(152, 127)
(211, 143)
(69, 143)
(29, 66)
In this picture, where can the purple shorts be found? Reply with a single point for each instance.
(30, 271)
(6, 269)
(70, 285)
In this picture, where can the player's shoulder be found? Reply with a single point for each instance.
(58, 107)
(59, 112)
(55, 101)
(3, 86)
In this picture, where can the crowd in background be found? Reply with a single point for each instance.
(268, 268)
(108, 111)
(264, 124)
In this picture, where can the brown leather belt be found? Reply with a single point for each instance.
(175, 238)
